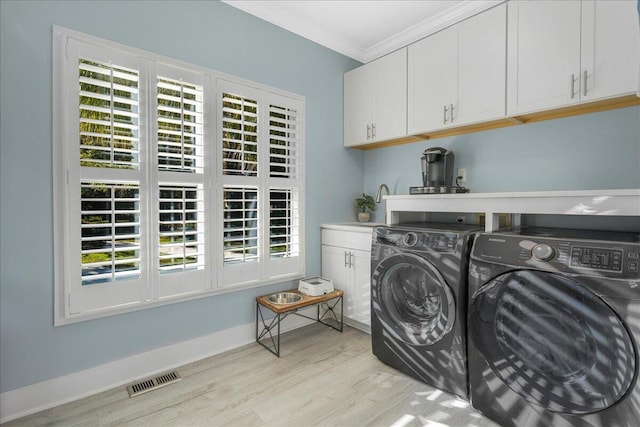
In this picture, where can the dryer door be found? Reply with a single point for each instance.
(552, 341)
(412, 299)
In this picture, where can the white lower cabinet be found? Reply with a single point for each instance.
(346, 259)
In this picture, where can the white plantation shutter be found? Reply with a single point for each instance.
(284, 212)
(240, 198)
(260, 148)
(105, 185)
(181, 167)
(169, 182)
(284, 186)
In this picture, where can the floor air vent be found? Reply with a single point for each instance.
(149, 384)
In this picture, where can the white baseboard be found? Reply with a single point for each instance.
(57, 391)
(358, 325)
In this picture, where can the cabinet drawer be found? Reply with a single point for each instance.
(347, 239)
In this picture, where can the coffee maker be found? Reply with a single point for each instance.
(437, 173)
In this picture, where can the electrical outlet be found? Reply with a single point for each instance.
(463, 174)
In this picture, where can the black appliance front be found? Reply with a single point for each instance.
(553, 327)
(418, 300)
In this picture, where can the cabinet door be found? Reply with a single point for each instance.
(610, 49)
(358, 99)
(432, 75)
(335, 266)
(361, 270)
(482, 57)
(390, 96)
(543, 55)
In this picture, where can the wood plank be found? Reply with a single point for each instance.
(321, 379)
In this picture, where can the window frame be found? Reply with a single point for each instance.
(67, 172)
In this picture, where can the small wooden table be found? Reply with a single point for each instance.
(328, 302)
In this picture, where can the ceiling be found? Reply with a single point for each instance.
(363, 29)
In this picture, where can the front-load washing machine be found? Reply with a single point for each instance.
(418, 301)
(554, 325)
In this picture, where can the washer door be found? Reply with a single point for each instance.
(552, 341)
(412, 300)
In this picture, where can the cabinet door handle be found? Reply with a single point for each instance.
(373, 130)
(445, 115)
(573, 85)
(346, 259)
(584, 83)
(368, 131)
(350, 259)
(451, 113)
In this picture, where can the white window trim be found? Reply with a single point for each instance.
(62, 158)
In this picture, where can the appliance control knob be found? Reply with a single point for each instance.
(542, 252)
(410, 239)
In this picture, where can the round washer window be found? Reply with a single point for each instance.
(414, 302)
(552, 341)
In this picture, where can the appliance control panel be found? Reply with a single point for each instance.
(417, 240)
(612, 259)
(596, 258)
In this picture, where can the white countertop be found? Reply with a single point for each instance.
(625, 202)
(359, 227)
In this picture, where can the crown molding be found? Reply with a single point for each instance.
(462, 10)
(451, 16)
(310, 31)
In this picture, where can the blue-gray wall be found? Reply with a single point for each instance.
(596, 151)
(590, 152)
(206, 33)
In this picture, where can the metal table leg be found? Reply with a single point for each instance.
(266, 333)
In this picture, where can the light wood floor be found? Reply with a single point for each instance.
(323, 378)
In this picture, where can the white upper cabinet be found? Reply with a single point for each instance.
(610, 53)
(566, 52)
(375, 100)
(482, 67)
(457, 76)
(432, 79)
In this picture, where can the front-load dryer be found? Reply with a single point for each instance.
(554, 325)
(418, 301)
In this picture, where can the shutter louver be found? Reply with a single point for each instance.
(110, 235)
(284, 227)
(240, 136)
(241, 224)
(109, 115)
(283, 142)
(180, 126)
(181, 245)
